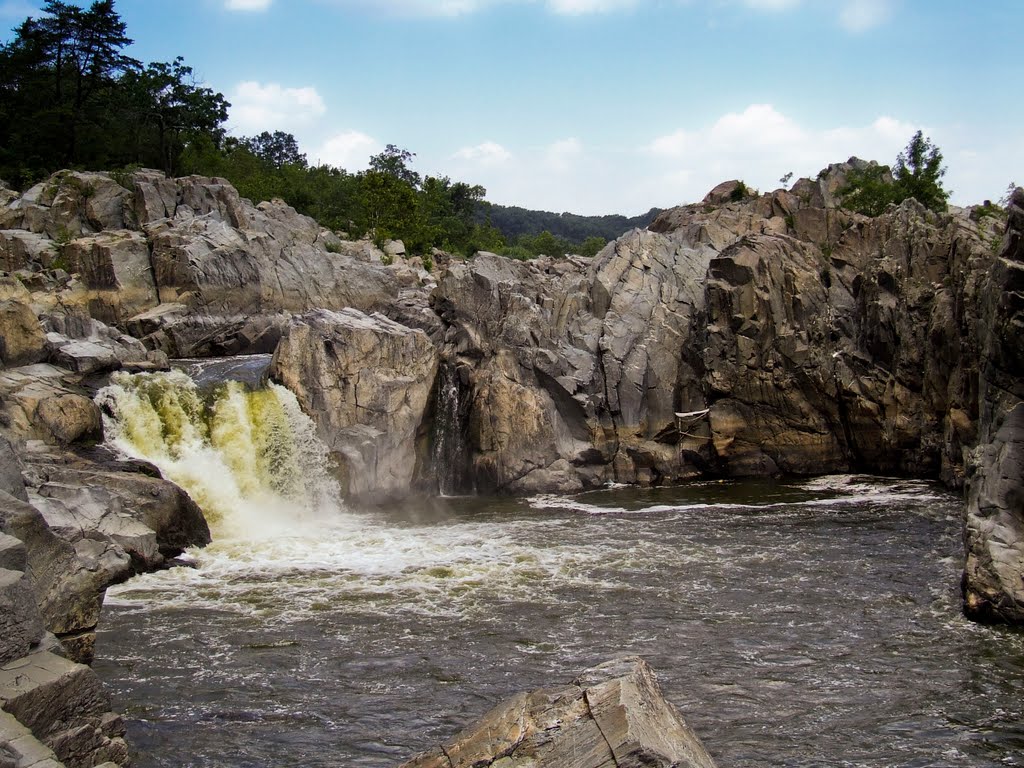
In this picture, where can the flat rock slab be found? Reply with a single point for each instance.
(20, 749)
(613, 716)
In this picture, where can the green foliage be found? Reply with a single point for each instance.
(276, 149)
(917, 173)
(869, 191)
(124, 174)
(395, 162)
(520, 252)
(1004, 201)
(428, 263)
(740, 192)
(513, 222)
(591, 246)
(70, 98)
(986, 209)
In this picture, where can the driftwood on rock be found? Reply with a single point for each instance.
(613, 716)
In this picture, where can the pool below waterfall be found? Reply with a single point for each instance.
(806, 623)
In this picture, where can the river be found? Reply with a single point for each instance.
(803, 623)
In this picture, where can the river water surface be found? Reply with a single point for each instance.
(794, 624)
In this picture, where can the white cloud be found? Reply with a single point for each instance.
(257, 107)
(462, 7)
(561, 155)
(759, 145)
(247, 5)
(582, 7)
(854, 15)
(350, 150)
(488, 153)
(862, 15)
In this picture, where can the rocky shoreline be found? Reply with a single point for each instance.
(741, 336)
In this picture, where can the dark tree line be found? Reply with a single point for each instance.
(71, 98)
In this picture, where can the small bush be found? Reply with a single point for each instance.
(741, 192)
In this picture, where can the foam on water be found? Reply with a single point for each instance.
(250, 459)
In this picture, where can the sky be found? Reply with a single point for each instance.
(609, 106)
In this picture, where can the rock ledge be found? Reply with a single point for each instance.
(613, 716)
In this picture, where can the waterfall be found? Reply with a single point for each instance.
(449, 445)
(250, 458)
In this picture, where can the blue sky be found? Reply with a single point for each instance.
(601, 106)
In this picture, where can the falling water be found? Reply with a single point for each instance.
(250, 458)
(449, 453)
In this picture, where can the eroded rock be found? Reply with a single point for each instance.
(366, 381)
(613, 716)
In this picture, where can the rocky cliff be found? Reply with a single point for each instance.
(753, 335)
(994, 574)
(762, 336)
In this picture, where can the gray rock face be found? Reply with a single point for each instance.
(366, 381)
(64, 706)
(994, 571)
(613, 716)
(89, 525)
(768, 335)
(192, 241)
(22, 341)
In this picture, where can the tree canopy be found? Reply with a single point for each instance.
(917, 173)
(70, 97)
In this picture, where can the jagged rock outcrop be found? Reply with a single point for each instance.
(994, 571)
(613, 716)
(366, 382)
(764, 335)
(119, 248)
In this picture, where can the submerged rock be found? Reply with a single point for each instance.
(613, 716)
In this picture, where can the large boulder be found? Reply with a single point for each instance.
(366, 382)
(612, 716)
(116, 273)
(22, 340)
(92, 523)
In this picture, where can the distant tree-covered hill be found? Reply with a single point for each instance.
(514, 223)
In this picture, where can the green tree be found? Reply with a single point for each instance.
(167, 109)
(592, 246)
(918, 174)
(277, 149)
(386, 206)
(59, 73)
(869, 191)
(395, 162)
